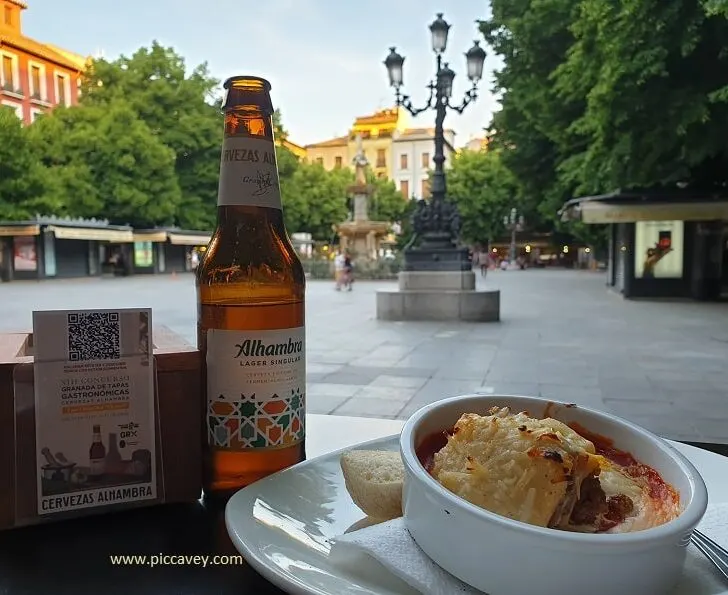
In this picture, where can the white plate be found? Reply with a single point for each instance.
(281, 524)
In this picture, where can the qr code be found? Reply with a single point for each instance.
(93, 335)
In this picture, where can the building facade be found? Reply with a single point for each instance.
(331, 154)
(412, 152)
(476, 144)
(377, 132)
(34, 77)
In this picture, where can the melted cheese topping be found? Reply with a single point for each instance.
(532, 470)
(516, 466)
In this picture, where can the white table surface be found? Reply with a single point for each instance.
(327, 433)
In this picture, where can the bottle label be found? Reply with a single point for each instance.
(248, 173)
(256, 388)
(96, 466)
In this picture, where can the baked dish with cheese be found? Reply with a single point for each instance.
(546, 473)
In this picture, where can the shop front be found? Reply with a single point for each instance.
(168, 250)
(661, 244)
(58, 248)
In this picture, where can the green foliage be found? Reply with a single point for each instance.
(319, 268)
(484, 191)
(104, 160)
(386, 202)
(180, 108)
(315, 199)
(604, 94)
(22, 179)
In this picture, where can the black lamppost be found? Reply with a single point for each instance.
(437, 223)
(513, 224)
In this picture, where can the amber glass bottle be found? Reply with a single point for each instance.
(251, 311)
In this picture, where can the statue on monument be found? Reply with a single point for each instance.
(360, 162)
(359, 234)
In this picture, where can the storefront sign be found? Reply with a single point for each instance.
(599, 212)
(94, 408)
(659, 249)
(25, 256)
(143, 256)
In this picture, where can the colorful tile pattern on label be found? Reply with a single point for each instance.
(250, 423)
(256, 388)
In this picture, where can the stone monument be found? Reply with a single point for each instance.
(360, 235)
(438, 282)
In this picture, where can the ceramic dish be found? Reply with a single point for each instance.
(282, 525)
(502, 556)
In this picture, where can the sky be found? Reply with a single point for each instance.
(324, 58)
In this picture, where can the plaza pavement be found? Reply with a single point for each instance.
(662, 364)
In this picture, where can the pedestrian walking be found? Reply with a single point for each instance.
(339, 270)
(348, 273)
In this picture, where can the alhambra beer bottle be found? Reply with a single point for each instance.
(250, 288)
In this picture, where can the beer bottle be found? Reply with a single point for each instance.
(250, 290)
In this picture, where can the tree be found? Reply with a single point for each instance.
(22, 179)
(484, 190)
(532, 38)
(657, 97)
(315, 199)
(603, 94)
(182, 109)
(105, 161)
(386, 202)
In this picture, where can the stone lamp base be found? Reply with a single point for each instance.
(438, 295)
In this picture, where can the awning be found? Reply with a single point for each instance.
(601, 212)
(180, 239)
(155, 236)
(90, 233)
(19, 230)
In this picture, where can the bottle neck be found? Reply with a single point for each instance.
(248, 168)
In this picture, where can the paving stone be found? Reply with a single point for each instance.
(316, 403)
(400, 394)
(562, 335)
(370, 407)
(400, 381)
(314, 368)
(325, 389)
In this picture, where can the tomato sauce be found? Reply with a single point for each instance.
(659, 490)
(429, 446)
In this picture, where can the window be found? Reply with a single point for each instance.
(425, 160)
(403, 161)
(404, 188)
(35, 113)
(10, 73)
(425, 188)
(8, 15)
(62, 88)
(381, 158)
(37, 81)
(319, 160)
(337, 162)
(14, 106)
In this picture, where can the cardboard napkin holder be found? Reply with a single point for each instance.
(178, 414)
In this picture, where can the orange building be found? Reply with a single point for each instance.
(34, 77)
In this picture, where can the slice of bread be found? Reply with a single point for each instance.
(374, 480)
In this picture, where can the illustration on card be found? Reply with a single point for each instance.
(110, 462)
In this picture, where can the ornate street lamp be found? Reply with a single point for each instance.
(436, 222)
(513, 224)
